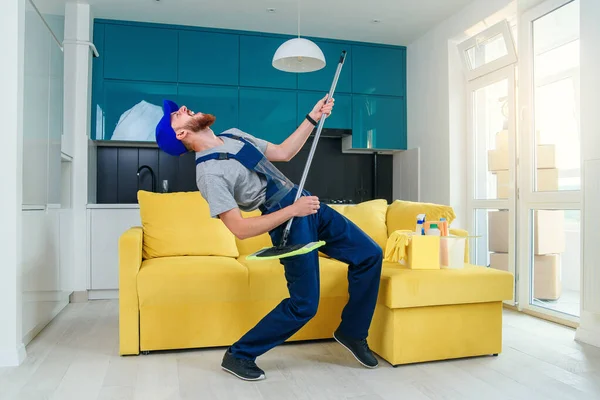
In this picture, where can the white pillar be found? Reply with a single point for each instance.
(12, 36)
(78, 74)
(589, 328)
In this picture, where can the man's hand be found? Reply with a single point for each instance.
(322, 107)
(292, 145)
(306, 205)
(244, 228)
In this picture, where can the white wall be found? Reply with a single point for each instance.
(12, 22)
(589, 329)
(436, 108)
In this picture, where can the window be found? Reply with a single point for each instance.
(488, 51)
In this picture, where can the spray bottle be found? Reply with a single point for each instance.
(419, 230)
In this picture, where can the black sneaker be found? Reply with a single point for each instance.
(359, 349)
(242, 368)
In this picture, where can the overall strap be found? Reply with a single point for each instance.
(249, 156)
(220, 156)
(214, 156)
(236, 137)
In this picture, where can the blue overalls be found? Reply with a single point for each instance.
(344, 242)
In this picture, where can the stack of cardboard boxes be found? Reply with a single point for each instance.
(548, 244)
(498, 162)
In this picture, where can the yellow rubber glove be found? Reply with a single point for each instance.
(395, 247)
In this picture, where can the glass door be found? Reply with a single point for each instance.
(550, 247)
(489, 60)
(491, 173)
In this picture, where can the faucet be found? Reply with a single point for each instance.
(151, 173)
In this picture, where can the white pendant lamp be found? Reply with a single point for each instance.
(298, 54)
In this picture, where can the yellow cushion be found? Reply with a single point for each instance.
(191, 280)
(179, 224)
(402, 287)
(369, 216)
(250, 245)
(403, 214)
(267, 279)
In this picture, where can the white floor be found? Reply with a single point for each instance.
(568, 303)
(76, 357)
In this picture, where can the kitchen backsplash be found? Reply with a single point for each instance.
(333, 174)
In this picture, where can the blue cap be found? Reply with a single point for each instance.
(165, 135)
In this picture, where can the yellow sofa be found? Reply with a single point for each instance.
(184, 282)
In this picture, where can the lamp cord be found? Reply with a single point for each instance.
(298, 19)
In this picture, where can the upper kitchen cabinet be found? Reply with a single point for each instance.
(378, 70)
(321, 80)
(130, 110)
(36, 104)
(269, 114)
(341, 117)
(378, 123)
(140, 53)
(220, 101)
(220, 66)
(256, 69)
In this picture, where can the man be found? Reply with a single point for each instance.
(234, 172)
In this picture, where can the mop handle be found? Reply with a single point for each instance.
(286, 232)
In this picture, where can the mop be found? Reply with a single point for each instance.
(283, 250)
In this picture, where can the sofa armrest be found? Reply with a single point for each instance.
(130, 261)
(462, 232)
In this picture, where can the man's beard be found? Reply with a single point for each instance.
(200, 122)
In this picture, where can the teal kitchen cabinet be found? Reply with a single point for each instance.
(321, 80)
(341, 117)
(220, 101)
(256, 69)
(131, 110)
(207, 57)
(140, 53)
(378, 122)
(269, 114)
(378, 70)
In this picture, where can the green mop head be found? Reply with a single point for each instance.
(269, 253)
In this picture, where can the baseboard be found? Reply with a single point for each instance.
(587, 337)
(589, 329)
(12, 357)
(107, 294)
(60, 305)
(45, 296)
(78, 297)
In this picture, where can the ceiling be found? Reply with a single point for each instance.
(401, 21)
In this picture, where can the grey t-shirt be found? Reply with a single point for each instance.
(227, 184)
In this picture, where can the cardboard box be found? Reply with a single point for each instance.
(546, 277)
(502, 184)
(499, 261)
(423, 252)
(497, 160)
(502, 140)
(498, 231)
(549, 237)
(546, 274)
(547, 180)
(546, 156)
